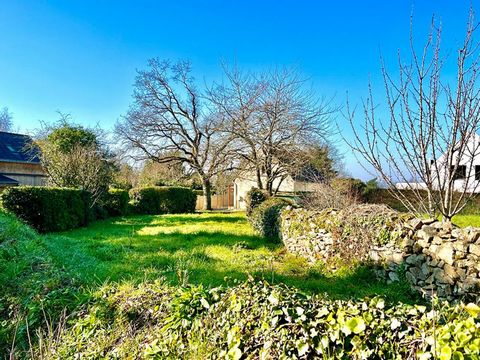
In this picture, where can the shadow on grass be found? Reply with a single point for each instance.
(114, 250)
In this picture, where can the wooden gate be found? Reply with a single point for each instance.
(219, 201)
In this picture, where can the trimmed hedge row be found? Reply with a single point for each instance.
(116, 202)
(50, 209)
(163, 200)
(47, 208)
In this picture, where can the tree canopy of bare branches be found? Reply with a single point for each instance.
(170, 121)
(428, 139)
(273, 118)
(6, 123)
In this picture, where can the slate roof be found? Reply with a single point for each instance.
(5, 180)
(15, 148)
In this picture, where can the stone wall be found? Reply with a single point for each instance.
(434, 257)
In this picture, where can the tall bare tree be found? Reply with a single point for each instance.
(273, 117)
(6, 123)
(428, 141)
(170, 121)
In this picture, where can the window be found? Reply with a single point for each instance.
(461, 172)
(477, 172)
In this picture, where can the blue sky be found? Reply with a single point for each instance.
(80, 57)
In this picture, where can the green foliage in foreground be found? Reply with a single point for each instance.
(258, 320)
(32, 288)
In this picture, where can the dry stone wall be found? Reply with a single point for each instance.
(435, 258)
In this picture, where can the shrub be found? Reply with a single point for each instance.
(254, 198)
(49, 209)
(349, 187)
(255, 320)
(116, 202)
(325, 196)
(163, 200)
(265, 218)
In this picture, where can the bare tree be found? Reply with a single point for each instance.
(6, 123)
(273, 117)
(428, 142)
(170, 121)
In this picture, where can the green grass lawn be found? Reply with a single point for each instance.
(466, 220)
(208, 248)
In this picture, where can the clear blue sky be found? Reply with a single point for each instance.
(80, 56)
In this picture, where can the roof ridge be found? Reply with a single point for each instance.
(12, 133)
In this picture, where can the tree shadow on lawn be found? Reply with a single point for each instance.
(176, 219)
(112, 251)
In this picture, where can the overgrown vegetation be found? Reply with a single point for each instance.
(265, 218)
(34, 291)
(258, 320)
(254, 198)
(355, 229)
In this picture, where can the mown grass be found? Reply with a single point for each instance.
(466, 220)
(204, 248)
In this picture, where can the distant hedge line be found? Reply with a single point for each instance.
(383, 196)
(163, 200)
(50, 209)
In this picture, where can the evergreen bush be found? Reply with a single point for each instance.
(254, 198)
(163, 200)
(265, 218)
(48, 208)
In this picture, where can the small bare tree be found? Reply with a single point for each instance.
(169, 121)
(274, 118)
(428, 142)
(6, 123)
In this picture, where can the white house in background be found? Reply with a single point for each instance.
(467, 174)
(244, 183)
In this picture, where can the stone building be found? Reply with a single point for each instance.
(19, 161)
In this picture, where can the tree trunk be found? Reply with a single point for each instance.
(207, 194)
(259, 179)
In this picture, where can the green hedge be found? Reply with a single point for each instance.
(47, 208)
(254, 198)
(265, 218)
(163, 199)
(116, 202)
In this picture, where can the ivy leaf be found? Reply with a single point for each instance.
(354, 325)
(205, 303)
(445, 353)
(302, 348)
(472, 309)
(273, 299)
(235, 353)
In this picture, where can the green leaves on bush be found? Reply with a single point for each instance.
(261, 321)
(265, 218)
(163, 200)
(48, 208)
(116, 202)
(254, 198)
